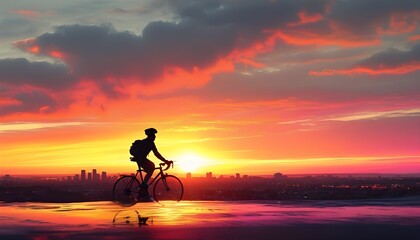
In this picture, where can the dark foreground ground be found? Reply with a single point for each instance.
(367, 219)
(295, 231)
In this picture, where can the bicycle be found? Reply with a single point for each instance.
(127, 188)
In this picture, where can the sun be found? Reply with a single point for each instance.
(189, 162)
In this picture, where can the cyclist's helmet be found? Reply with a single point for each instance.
(150, 131)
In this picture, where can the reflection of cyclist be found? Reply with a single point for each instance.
(148, 144)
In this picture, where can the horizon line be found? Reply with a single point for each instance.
(214, 175)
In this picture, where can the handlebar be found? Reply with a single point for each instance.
(167, 165)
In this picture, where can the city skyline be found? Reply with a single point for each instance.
(78, 177)
(222, 188)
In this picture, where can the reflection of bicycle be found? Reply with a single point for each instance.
(127, 189)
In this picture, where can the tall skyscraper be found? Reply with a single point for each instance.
(104, 177)
(83, 175)
(89, 178)
(189, 175)
(209, 175)
(94, 175)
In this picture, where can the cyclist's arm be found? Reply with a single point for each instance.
(158, 155)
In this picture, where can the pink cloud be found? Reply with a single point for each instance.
(398, 70)
(30, 13)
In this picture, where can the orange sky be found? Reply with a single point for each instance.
(292, 88)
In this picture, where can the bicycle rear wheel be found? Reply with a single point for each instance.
(168, 189)
(125, 190)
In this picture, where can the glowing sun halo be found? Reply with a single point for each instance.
(189, 162)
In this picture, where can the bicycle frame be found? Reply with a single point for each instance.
(161, 174)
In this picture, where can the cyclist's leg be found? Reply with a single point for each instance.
(149, 168)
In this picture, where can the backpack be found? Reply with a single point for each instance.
(137, 148)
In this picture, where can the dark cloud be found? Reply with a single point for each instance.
(356, 16)
(20, 71)
(112, 89)
(363, 16)
(33, 102)
(392, 57)
(247, 14)
(205, 32)
(30, 84)
(101, 51)
(391, 61)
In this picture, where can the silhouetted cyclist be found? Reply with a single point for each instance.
(142, 150)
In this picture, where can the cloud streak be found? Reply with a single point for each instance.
(28, 126)
(377, 115)
(391, 61)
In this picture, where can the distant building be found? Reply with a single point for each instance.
(104, 176)
(278, 176)
(83, 175)
(7, 179)
(238, 175)
(76, 177)
(209, 175)
(89, 178)
(188, 175)
(95, 175)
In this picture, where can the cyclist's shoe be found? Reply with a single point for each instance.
(146, 199)
(142, 193)
(144, 186)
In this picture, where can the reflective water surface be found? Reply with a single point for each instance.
(205, 219)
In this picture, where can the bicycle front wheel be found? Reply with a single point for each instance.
(168, 189)
(125, 190)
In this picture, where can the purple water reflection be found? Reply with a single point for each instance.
(208, 220)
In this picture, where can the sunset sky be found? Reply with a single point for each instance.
(247, 86)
